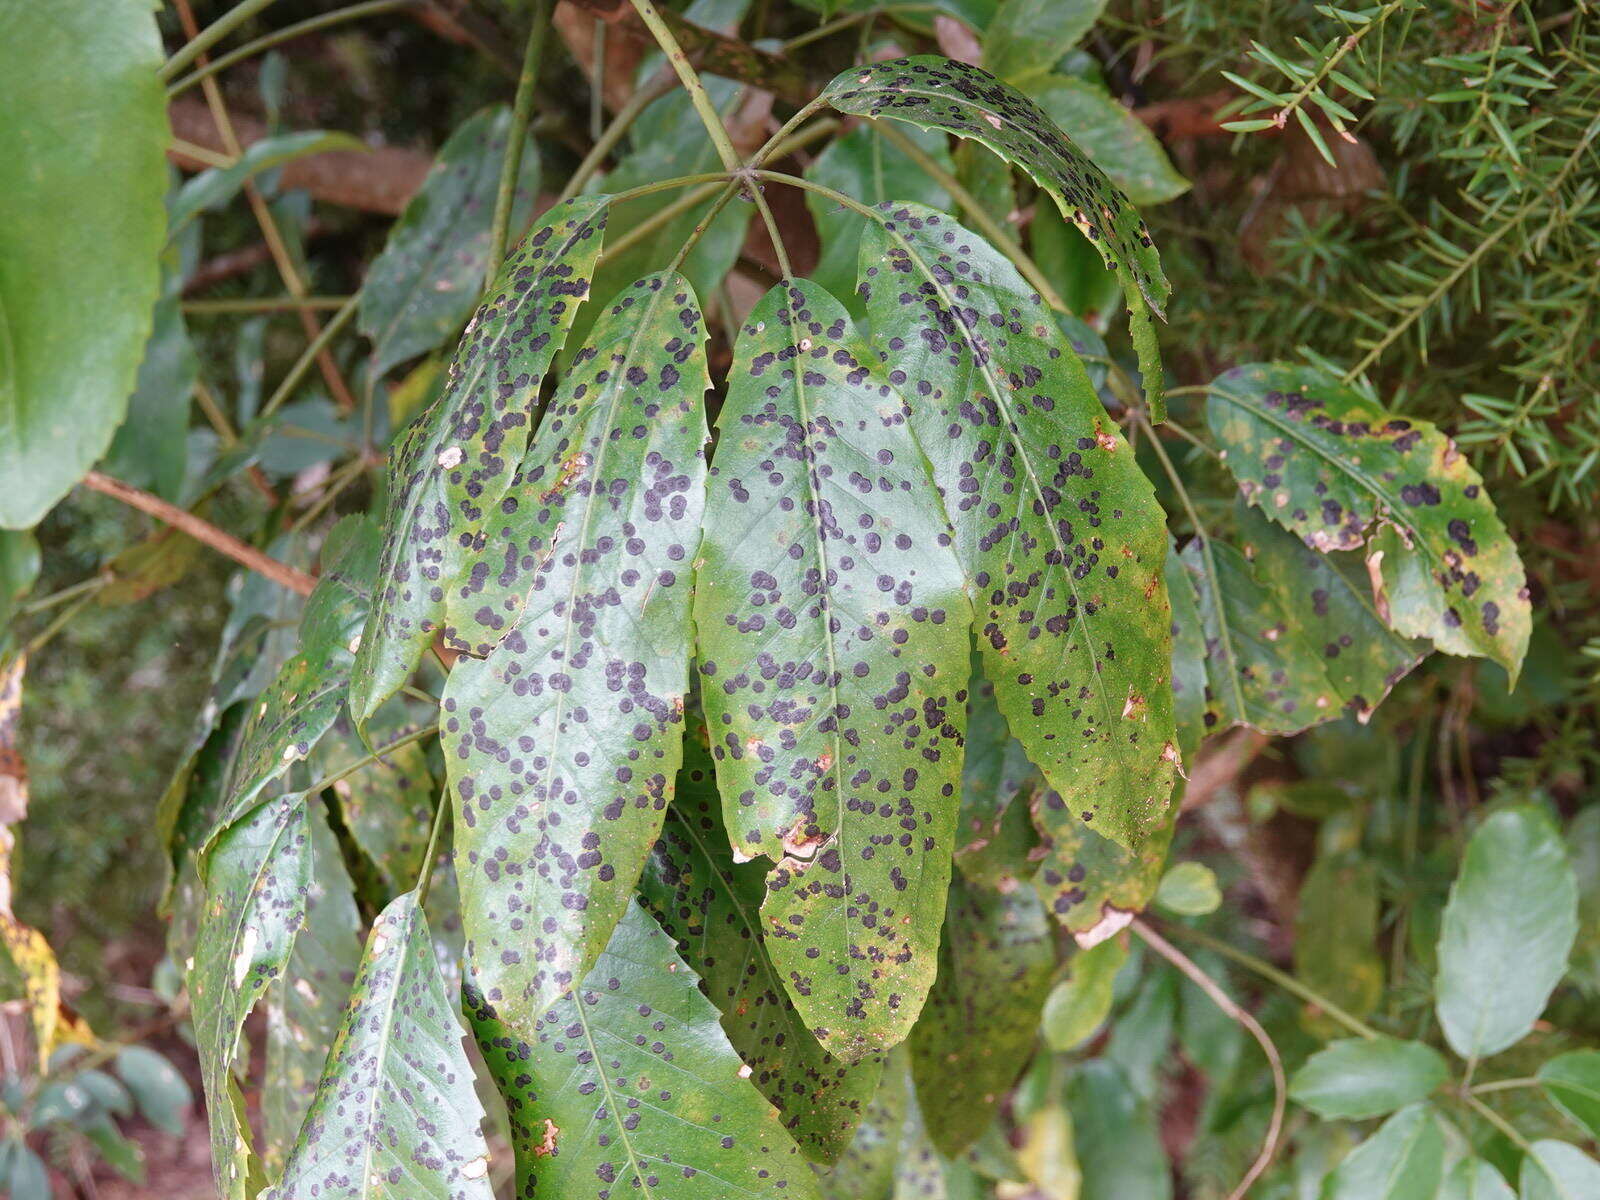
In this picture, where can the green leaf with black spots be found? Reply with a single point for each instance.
(1336, 935)
(978, 1027)
(866, 1169)
(1403, 1160)
(1358, 1078)
(1093, 885)
(864, 165)
(1332, 467)
(1057, 529)
(993, 833)
(1112, 136)
(938, 93)
(257, 874)
(1330, 600)
(711, 906)
(450, 469)
(1188, 657)
(628, 1086)
(395, 1113)
(833, 657)
(426, 281)
(305, 1005)
(82, 214)
(563, 745)
(1262, 670)
(388, 804)
(1508, 928)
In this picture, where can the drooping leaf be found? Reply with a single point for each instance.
(628, 1086)
(1080, 1003)
(1572, 1082)
(215, 186)
(1118, 1148)
(1508, 928)
(1113, 137)
(1262, 670)
(1474, 1179)
(1330, 600)
(1336, 933)
(1029, 37)
(82, 217)
(1341, 473)
(305, 1004)
(837, 729)
(1093, 885)
(425, 282)
(978, 1027)
(994, 835)
(1358, 1078)
(866, 1169)
(150, 449)
(256, 875)
(563, 745)
(1072, 265)
(1556, 1171)
(1403, 1160)
(395, 1112)
(710, 906)
(452, 466)
(987, 177)
(865, 166)
(1056, 528)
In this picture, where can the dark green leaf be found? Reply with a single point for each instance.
(150, 449)
(1335, 469)
(1359, 1078)
(19, 568)
(1404, 1160)
(977, 1029)
(711, 906)
(83, 140)
(1118, 1147)
(1120, 143)
(866, 1170)
(256, 874)
(1330, 602)
(215, 187)
(1080, 1003)
(1028, 37)
(1056, 527)
(1072, 265)
(426, 281)
(834, 656)
(564, 744)
(1556, 1171)
(1188, 657)
(1261, 669)
(1092, 884)
(1336, 932)
(1508, 929)
(395, 1112)
(628, 1086)
(994, 834)
(1572, 1082)
(158, 1088)
(452, 466)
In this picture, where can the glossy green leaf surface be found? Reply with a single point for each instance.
(866, 1170)
(19, 568)
(1120, 143)
(1508, 928)
(1572, 1082)
(428, 277)
(710, 906)
(1557, 1171)
(257, 874)
(628, 1086)
(1358, 1078)
(1335, 469)
(1080, 1003)
(1403, 1160)
(81, 226)
(1190, 890)
(563, 745)
(977, 1029)
(1262, 669)
(1092, 884)
(1329, 598)
(1029, 37)
(833, 658)
(451, 468)
(395, 1113)
(1056, 528)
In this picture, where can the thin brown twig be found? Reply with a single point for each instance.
(202, 531)
(1280, 1087)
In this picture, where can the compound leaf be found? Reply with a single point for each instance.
(453, 464)
(629, 1086)
(563, 745)
(833, 659)
(1057, 529)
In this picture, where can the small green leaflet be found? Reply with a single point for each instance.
(628, 1086)
(1358, 1078)
(395, 1113)
(1571, 1081)
(978, 1027)
(1403, 1160)
(256, 874)
(1080, 1003)
(1093, 885)
(563, 745)
(1331, 466)
(711, 906)
(215, 187)
(1056, 527)
(833, 659)
(452, 466)
(427, 279)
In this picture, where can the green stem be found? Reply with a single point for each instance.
(93, 584)
(309, 356)
(698, 96)
(63, 618)
(339, 776)
(211, 35)
(1505, 1085)
(425, 881)
(771, 223)
(287, 34)
(521, 113)
(822, 31)
(1499, 1122)
(614, 133)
